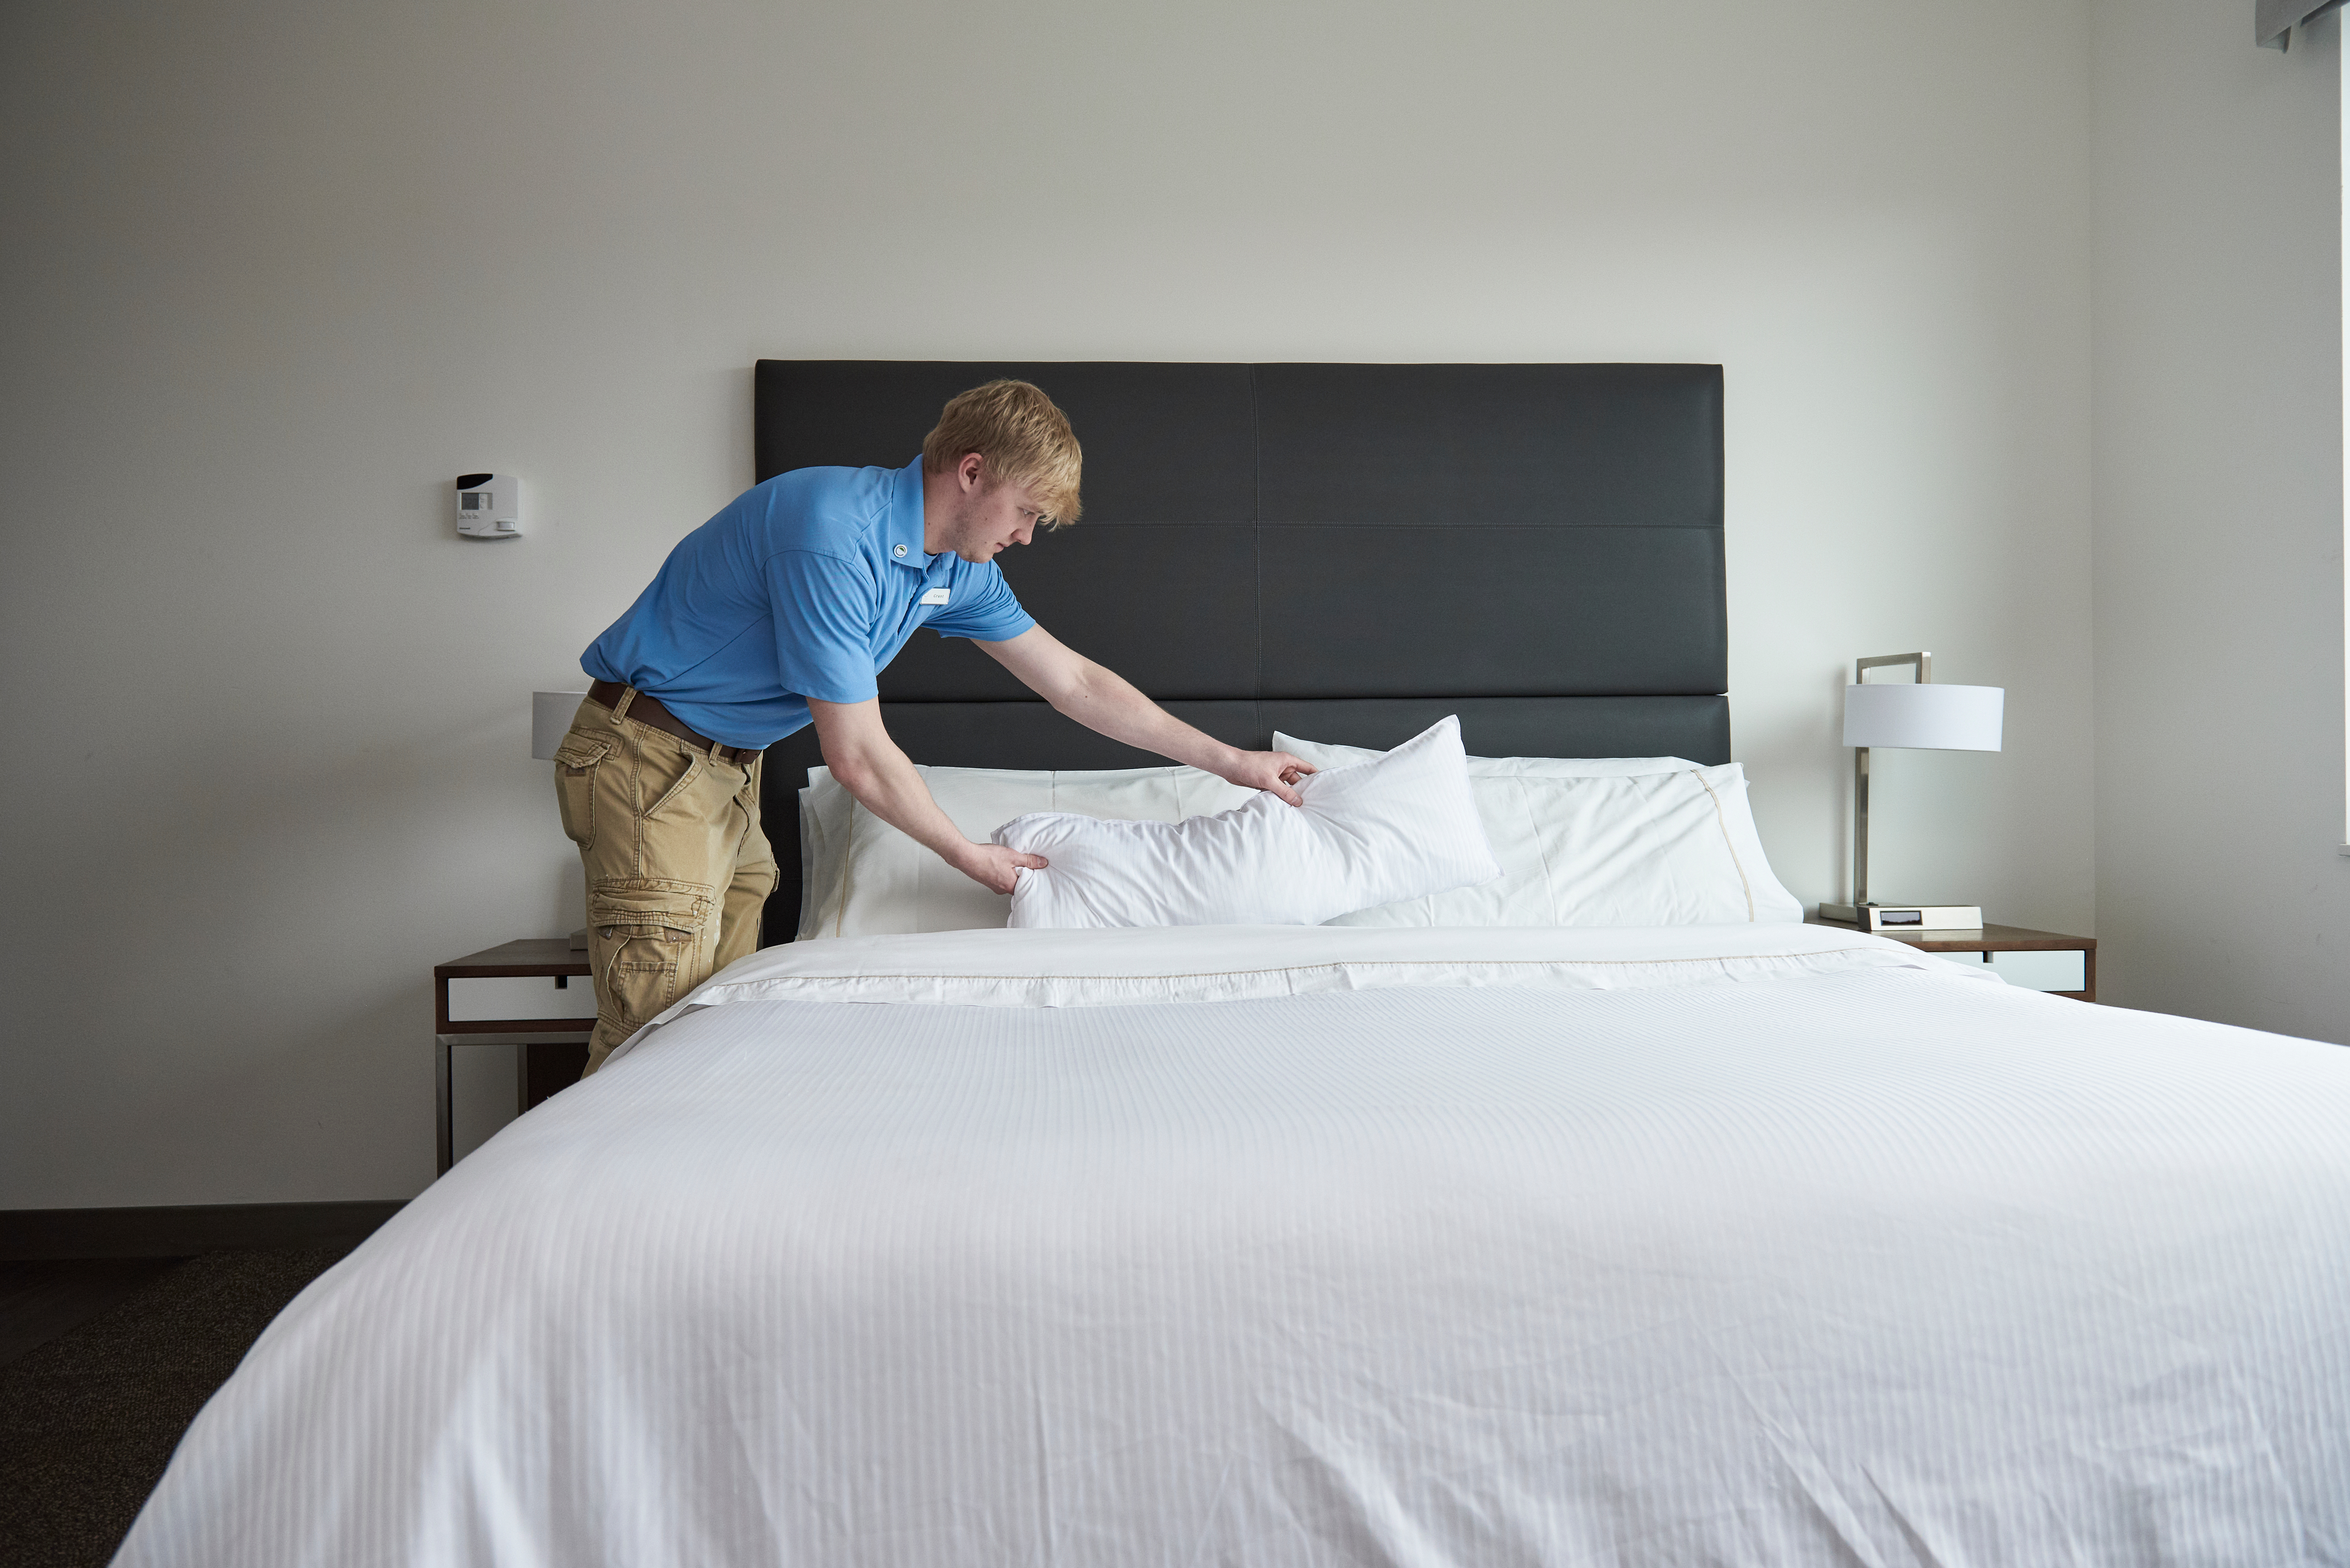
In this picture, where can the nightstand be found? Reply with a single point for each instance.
(2036, 961)
(532, 994)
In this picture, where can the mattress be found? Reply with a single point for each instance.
(1270, 1247)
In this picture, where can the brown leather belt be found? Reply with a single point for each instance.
(647, 710)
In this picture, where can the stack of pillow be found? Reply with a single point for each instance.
(1422, 836)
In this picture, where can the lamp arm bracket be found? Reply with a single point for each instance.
(1924, 662)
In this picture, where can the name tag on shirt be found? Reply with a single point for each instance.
(934, 597)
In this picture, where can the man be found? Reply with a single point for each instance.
(780, 611)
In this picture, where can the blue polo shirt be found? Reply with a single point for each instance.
(804, 586)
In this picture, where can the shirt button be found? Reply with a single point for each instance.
(901, 549)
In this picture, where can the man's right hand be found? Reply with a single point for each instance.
(995, 867)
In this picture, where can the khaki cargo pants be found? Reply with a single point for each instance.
(677, 868)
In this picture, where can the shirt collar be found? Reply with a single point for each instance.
(903, 532)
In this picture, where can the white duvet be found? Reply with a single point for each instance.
(1270, 1247)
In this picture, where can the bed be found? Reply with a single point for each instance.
(1741, 1242)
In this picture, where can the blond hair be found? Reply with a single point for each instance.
(1021, 437)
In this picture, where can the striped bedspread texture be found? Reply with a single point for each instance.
(1307, 1246)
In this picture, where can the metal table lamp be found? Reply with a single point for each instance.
(1922, 716)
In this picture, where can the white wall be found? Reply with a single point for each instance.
(2218, 520)
(278, 270)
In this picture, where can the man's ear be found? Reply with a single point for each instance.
(969, 470)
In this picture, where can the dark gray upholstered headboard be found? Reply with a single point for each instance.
(1344, 552)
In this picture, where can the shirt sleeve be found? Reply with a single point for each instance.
(982, 606)
(824, 608)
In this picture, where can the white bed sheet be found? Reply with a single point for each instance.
(1113, 968)
(1675, 1250)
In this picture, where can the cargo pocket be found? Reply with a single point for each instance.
(649, 935)
(575, 784)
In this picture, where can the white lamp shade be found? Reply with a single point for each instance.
(1929, 717)
(550, 719)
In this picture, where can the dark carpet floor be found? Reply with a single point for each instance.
(88, 1421)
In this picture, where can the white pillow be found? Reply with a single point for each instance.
(827, 811)
(1673, 845)
(1656, 850)
(1323, 755)
(1397, 826)
(862, 877)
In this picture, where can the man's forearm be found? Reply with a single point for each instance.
(869, 764)
(1106, 701)
(885, 782)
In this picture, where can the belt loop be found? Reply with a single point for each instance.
(620, 709)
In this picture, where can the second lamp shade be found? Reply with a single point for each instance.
(1929, 717)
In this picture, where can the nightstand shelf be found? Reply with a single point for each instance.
(533, 995)
(2052, 961)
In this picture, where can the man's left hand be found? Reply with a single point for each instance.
(1275, 771)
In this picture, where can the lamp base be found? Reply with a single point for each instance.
(1905, 916)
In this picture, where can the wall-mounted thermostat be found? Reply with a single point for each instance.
(489, 506)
